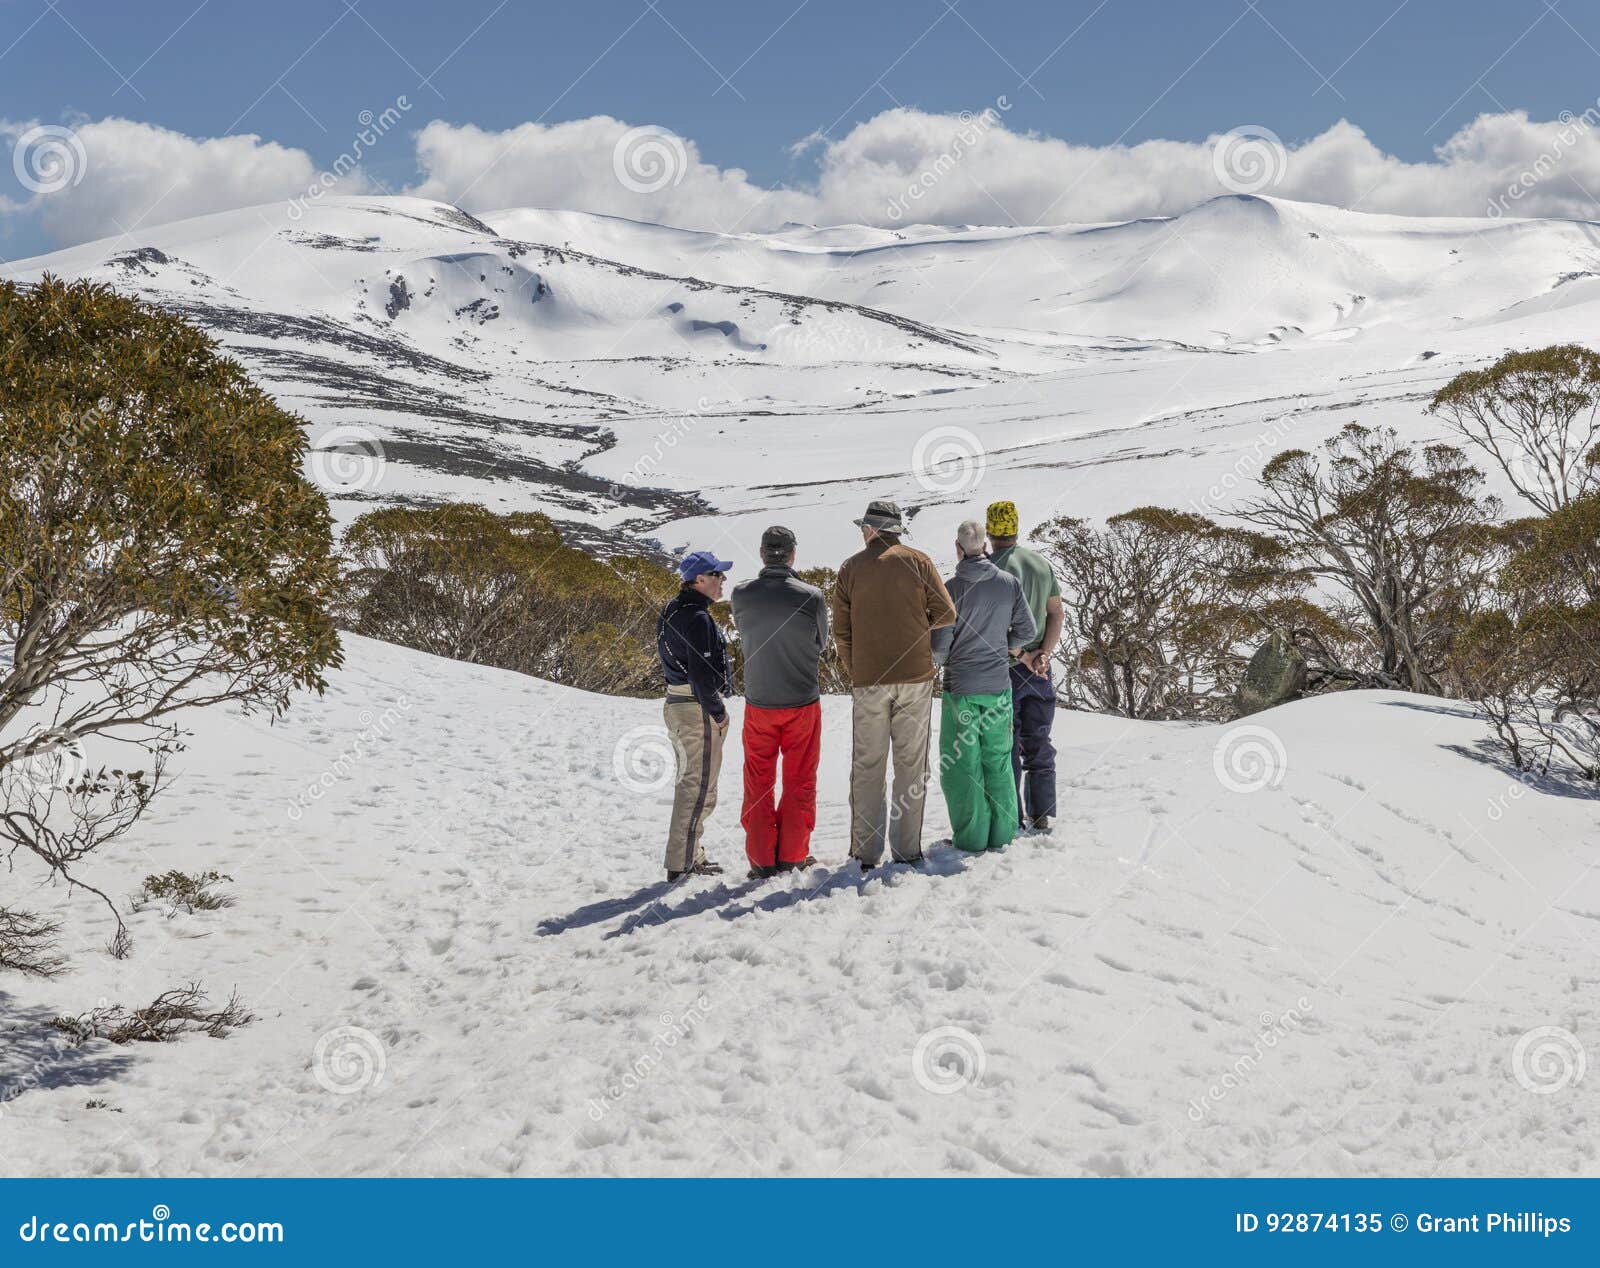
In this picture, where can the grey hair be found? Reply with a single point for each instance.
(970, 537)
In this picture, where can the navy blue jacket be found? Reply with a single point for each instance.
(693, 652)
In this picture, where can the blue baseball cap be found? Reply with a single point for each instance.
(697, 562)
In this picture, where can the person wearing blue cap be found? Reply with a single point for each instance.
(694, 661)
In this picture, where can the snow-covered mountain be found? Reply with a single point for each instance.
(645, 383)
(1333, 941)
(1336, 939)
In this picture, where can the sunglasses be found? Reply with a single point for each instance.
(713, 573)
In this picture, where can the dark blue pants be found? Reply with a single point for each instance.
(1033, 756)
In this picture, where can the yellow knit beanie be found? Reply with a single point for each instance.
(1002, 519)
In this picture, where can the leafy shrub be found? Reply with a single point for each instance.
(461, 581)
(185, 892)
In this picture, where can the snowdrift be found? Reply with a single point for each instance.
(1337, 939)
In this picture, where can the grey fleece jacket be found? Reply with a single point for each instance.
(992, 621)
(783, 627)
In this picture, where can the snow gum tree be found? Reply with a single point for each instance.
(1162, 609)
(1536, 415)
(1532, 660)
(1404, 536)
(160, 549)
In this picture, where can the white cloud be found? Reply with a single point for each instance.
(907, 165)
(123, 175)
(574, 166)
(901, 166)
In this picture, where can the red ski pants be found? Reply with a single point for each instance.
(778, 830)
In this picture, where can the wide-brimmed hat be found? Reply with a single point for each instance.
(883, 516)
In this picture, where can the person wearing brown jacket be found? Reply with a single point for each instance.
(888, 601)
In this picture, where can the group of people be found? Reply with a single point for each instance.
(989, 630)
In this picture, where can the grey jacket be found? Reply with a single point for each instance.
(783, 627)
(992, 621)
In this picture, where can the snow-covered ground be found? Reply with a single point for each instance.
(1327, 941)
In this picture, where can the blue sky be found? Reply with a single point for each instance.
(744, 82)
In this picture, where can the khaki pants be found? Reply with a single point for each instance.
(698, 743)
(890, 717)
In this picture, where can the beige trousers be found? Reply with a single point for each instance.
(892, 717)
(698, 745)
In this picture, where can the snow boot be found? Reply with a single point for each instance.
(762, 873)
(1041, 823)
(801, 866)
(705, 867)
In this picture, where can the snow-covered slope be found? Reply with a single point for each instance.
(647, 384)
(1328, 942)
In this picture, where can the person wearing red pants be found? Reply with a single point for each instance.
(783, 627)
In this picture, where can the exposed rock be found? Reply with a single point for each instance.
(1276, 674)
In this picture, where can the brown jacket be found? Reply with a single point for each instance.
(887, 601)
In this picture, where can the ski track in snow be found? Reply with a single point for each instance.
(477, 889)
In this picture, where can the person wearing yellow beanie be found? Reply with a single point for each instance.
(1033, 691)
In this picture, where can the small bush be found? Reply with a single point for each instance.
(461, 581)
(185, 892)
(172, 1014)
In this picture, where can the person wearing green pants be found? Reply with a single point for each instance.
(975, 770)
(993, 624)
